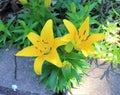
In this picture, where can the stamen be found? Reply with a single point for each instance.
(40, 51)
(36, 47)
(38, 41)
(44, 42)
(84, 32)
(47, 50)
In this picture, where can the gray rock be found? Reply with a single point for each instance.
(25, 80)
(101, 79)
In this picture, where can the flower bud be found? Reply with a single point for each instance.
(66, 64)
(69, 47)
(73, 7)
(23, 1)
(47, 3)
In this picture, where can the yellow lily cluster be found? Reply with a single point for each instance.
(45, 46)
(81, 39)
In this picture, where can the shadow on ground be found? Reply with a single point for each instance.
(102, 79)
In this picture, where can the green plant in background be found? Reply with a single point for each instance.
(79, 12)
(5, 32)
(34, 15)
(32, 18)
(111, 46)
(21, 30)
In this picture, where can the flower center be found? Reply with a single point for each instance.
(47, 50)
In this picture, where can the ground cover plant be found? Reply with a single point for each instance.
(62, 34)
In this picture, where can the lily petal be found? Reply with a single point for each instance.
(59, 42)
(66, 38)
(86, 48)
(34, 38)
(71, 28)
(84, 29)
(47, 36)
(29, 51)
(54, 58)
(38, 65)
(95, 37)
(85, 53)
(90, 49)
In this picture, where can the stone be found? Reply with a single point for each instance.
(101, 79)
(26, 80)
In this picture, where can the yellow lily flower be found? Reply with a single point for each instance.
(44, 47)
(81, 39)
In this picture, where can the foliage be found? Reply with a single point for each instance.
(5, 33)
(111, 46)
(104, 16)
(60, 79)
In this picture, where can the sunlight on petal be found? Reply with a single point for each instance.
(90, 49)
(95, 37)
(38, 65)
(29, 51)
(47, 35)
(84, 29)
(66, 38)
(71, 28)
(86, 48)
(84, 52)
(54, 58)
(34, 38)
(59, 42)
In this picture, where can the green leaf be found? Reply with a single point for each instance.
(75, 74)
(2, 26)
(83, 64)
(53, 79)
(18, 31)
(7, 32)
(67, 73)
(69, 47)
(92, 6)
(61, 82)
(34, 25)
(22, 23)
(74, 82)
(10, 22)
(73, 55)
(73, 7)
